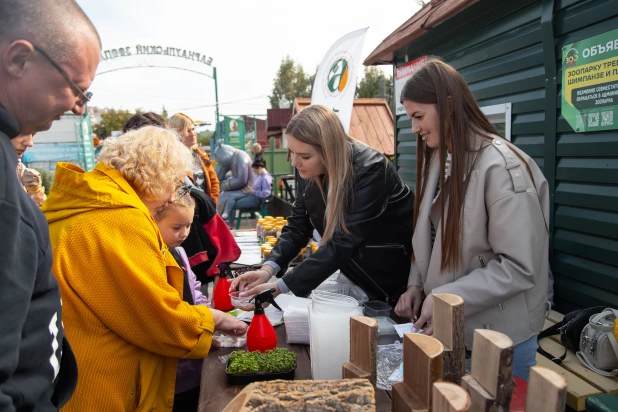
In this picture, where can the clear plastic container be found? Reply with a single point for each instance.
(375, 308)
(240, 302)
(329, 321)
(347, 289)
(386, 330)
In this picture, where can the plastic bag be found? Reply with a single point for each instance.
(226, 341)
(389, 359)
(223, 359)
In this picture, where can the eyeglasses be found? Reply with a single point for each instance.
(182, 191)
(84, 97)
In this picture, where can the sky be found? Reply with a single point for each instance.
(246, 39)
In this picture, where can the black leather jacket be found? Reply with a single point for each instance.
(376, 255)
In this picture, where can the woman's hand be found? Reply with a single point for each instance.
(261, 288)
(250, 190)
(409, 303)
(228, 324)
(250, 280)
(426, 318)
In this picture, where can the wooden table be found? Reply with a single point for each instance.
(215, 393)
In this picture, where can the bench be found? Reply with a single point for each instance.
(582, 382)
(250, 213)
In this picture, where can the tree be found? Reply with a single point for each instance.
(375, 84)
(291, 81)
(164, 114)
(203, 138)
(47, 179)
(112, 120)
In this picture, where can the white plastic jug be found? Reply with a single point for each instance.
(329, 331)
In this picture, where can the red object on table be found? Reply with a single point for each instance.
(261, 334)
(518, 400)
(221, 295)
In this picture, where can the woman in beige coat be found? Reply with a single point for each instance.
(480, 217)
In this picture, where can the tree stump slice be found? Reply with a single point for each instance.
(353, 395)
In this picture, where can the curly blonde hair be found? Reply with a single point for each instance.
(152, 159)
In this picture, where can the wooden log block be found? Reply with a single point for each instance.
(490, 383)
(404, 400)
(308, 395)
(363, 349)
(546, 391)
(448, 328)
(422, 366)
(480, 399)
(448, 397)
(492, 367)
(577, 389)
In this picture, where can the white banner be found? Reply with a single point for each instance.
(335, 81)
(402, 74)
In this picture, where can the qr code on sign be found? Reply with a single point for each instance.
(607, 118)
(593, 119)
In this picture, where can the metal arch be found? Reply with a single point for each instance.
(154, 66)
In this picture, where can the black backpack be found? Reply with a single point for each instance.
(570, 329)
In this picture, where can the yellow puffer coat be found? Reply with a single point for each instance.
(121, 293)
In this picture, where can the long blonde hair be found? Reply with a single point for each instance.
(181, 123)
(320, 127)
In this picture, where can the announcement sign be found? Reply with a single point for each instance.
(590, 83)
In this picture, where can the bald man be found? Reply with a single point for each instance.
(49, 52)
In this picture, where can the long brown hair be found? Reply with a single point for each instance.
(320, 127)
(440, 84)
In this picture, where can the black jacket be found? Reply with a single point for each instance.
(38, 371)
(376, 255)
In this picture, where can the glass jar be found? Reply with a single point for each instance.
(259, 227)
(269, 231)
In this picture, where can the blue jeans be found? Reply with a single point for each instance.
(227, 200)
(524, 357)
(246, 202)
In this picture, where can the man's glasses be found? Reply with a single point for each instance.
(84, 97)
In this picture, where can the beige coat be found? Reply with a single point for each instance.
(504, 248)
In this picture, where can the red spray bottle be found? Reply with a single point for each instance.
(261, 334)
(221, 294)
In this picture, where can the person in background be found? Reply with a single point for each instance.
(139, 120)
(49, 53)
(355, 199)
(174, 223)
(122, 293)
(203, 174)
(258, 193)
(30, 179)
(258, 153)
(480, 217)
